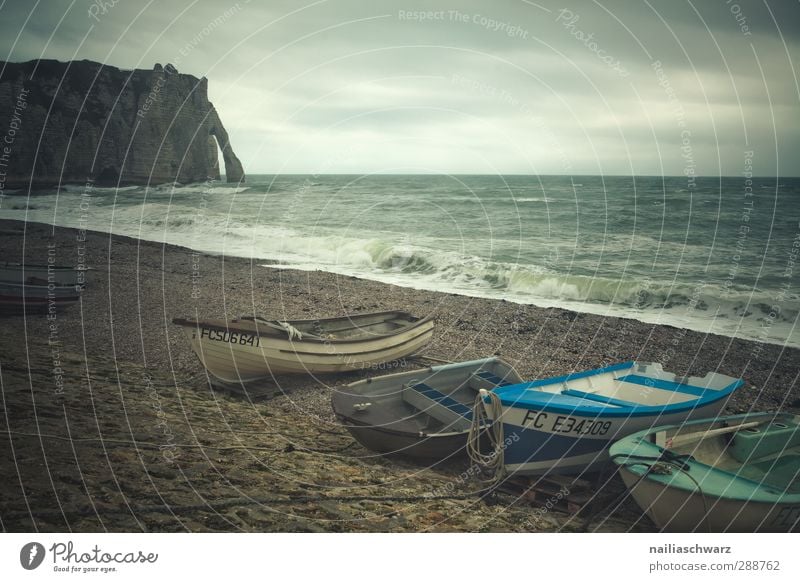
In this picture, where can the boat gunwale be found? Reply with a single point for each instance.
(360, 352)
(635, 410)
(631, 412)
(26, 266)
(433, 369)
(414, 325)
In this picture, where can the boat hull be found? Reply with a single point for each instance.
(237, 355)
(674, 510)
(20, 274)
(566, 424)
(18, 298)
(425, 447)
(547, 449)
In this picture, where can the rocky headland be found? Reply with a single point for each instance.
(83, 121)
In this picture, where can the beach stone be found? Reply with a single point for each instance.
(144, 438)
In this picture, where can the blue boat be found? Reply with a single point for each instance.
(566, 424)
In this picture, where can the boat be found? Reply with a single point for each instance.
(16, 297)
(731, 474)
(564, 425)
(250, 349)
(25, 287)
(424, 413)
(24, 274)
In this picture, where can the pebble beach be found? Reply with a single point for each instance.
(110, 423)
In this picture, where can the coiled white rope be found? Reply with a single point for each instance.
(489, 423)
(291, 330)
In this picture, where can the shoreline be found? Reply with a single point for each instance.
(129, 375)
(587, 307)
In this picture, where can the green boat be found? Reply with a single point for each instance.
(729, 474)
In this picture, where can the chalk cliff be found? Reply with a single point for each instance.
(81, 120)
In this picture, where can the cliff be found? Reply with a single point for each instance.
(81, 120)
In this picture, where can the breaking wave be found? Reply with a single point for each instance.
(598, 253)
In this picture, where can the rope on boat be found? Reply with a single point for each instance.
(490, 424)
(291, 330)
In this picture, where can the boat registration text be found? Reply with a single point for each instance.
(230, 337)
(565, 424)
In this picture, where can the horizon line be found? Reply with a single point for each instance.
(509, 174)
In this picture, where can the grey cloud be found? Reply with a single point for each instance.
(508, 82)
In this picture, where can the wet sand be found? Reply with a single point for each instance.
(109, 422)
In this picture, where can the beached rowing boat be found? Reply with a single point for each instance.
(17, 298)
(731, 474)
(250, 348)
(421, 413)
(24, 274)
(566, 424)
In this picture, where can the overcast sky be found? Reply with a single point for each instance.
(511, 86)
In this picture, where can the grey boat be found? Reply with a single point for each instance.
(422, 414)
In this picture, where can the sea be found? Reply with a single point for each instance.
(712, 254)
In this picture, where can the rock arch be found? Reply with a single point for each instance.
(233, 167)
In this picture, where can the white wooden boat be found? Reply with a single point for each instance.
(422, 413)
(730, 474)
(249, 349)
(566, 424)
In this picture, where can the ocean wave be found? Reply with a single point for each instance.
(637, 296)
(602, 266)
(226, 189)
(95, 190)
(202, 188)
(453, 271)
(404, 263)
(473, 199)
